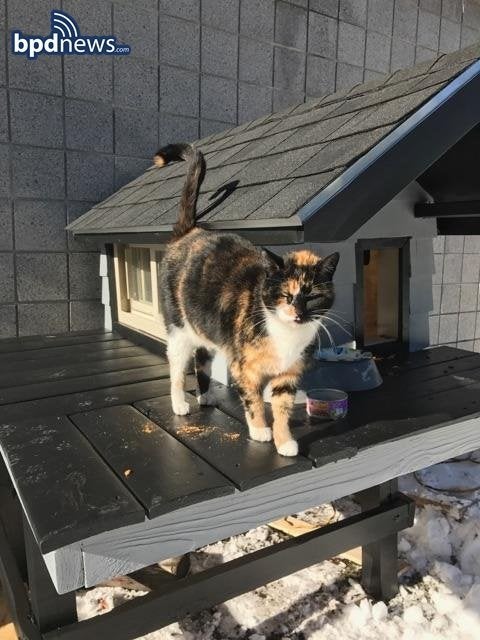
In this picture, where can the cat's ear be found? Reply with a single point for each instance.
(326, 267)
(272, 259)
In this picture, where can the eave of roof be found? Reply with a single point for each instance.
(262, 232)
(348, 201)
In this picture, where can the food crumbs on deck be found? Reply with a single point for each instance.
(147, 428)
(231, 436)
(203, 431)
(127, 473)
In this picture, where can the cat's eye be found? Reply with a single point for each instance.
(289, 298)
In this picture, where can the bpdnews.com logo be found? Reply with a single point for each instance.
(65, 39)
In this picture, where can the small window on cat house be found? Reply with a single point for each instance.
(139, 278)
(382, 294)
(136, 283)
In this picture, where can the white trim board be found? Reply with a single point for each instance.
(118, 552)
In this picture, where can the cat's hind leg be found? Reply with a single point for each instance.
(179, 351)
(203, 369)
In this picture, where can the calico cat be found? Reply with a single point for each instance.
(218, 292)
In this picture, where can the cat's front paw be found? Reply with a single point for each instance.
(261, 434)
(288, 448)
(208, 399)
(180, 407)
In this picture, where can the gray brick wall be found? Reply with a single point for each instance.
(74, 129)
(455, 318)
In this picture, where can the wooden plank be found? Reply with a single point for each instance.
(389, 420)
(153, 345)
(223, 442)
(25, 344)
(425, 358)
(40, 338)
(15, 592)
(295, 527)
(75, 352)
(245, 573)
(49, 608)
(414, 376)
(73, 358)
(23, 374)
(84, 383)
(416, 389)
(125, 550)
(324, 440)
(161, 472)
(92, 399)
(229, 402)
(467, 208)
(467, 225)
(454, 376)
(66, 489)
(65, 566)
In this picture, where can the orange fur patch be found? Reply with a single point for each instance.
(242, 305)
(289, 377)
(303, 258)
(260, 364)
(288, 309)
(293, 285)
(227, 297)
(159, 161)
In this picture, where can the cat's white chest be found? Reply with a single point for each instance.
(290, 341)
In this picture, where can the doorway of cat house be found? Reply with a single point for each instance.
(381, 306)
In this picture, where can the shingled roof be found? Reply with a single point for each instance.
(316, 171)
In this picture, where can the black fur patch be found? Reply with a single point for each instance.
(284, 388)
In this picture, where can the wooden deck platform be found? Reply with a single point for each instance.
(111, 481)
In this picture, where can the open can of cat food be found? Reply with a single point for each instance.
(327, 403)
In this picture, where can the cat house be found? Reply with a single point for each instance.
(375, 173)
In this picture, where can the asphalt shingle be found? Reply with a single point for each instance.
(293, 196)
(270, 167)
(246, 200)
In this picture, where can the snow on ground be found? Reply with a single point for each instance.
(439, 596)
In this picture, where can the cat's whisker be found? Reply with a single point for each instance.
(319, 341)
(349, 333)
(332, 343)
(339, 321)
(258, 324)
(335, 315)
(327, 317)
(330, 312)
(322, 326)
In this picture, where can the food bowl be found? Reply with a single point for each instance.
(327, 403)
(358, 375)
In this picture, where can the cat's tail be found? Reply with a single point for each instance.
(195, 175)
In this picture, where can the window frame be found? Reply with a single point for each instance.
(132, 313)
(136, 306)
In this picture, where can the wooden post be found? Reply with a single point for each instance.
(379, 559)
(11, 517)
(49, 609)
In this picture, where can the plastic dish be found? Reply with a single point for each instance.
(358, 375)
(327, 403)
